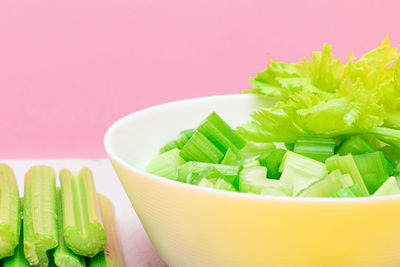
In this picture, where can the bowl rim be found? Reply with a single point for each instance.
(239, 195)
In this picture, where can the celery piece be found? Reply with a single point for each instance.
(221, 184)
(299, 172)
(18, 259)
(112, 254)
(393, 155)
(184, 171)
(230, 158)
(272, 160)
(254, 180)
(253, 150)
(346, 164)
(221, 134)
(387, 135)
(350, 191)
(389, 187)
(83, 231)
(188, 133)
(251, 163)
(328, 186)
(166, 164)
(354, 145)
(10, 210)
(373, 169)
(206, 183)
(210, 173)
(229, 172)
(40, 215)
(199, 148)
(178, 143)
(289, 146)
(315, 147)
(63, 256)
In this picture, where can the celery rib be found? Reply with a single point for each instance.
(63, 256)
(112, 254)
(9, 211)
(40, 215)
(18, 259)
(83, 230)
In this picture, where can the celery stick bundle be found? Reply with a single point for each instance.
(216, 156)
(61, 227)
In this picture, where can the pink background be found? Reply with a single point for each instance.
(68, 69)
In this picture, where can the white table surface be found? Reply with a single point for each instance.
(137, 248)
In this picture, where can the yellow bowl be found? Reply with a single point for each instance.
(193, 226)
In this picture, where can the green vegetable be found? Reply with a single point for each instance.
(199, 148)
(253, 150)
(346, 164)
(350, 191)
(299, 172)
(354, 145)
(272, 160)
(373, 169)
(112, 254)
(220, 184)
(63, 256)
(83, 232)
(230, 158)
(326, 97)
(176, 143)
(390, 187)
(10, 211)
(210, 173)
(254, 180)
(221, 134)
(18, 259)
(188, 133)
(166, 164)
(191, 169)
(40, 215)
(328, 186)
(315, 147)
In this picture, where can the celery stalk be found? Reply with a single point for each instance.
(253, 150)
(112, 254)
(63, 256)
(354, 145)
(10, 210)
(350, 191)
(254, 180)
(200, 148)
(315, 147)
(40, 215)
(83, 230)
(272, 160)
(389, 187)
(18, 259)
(179, 142)
(166, 164)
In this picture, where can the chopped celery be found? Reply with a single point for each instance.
(40, 215)
(206, 183)
(184, 171)
(210, 173)
(166, 164)
(63, 256)
(199, 148)
(176, 143)
(346, 164)
(230, 158)
(389, 187)
(328, 186)
(83, 232)
(10, 211)
(298, 171)
(350, 191)
(315, 147)
(393, 155)
(373, 169)
(221, 134)
(387, 135)
(229, 172)
(252, 150)
(223, 185)
(112, 254)
(272, 160)
(254, 180)
(354, 145)
(251, 163)
(188, 133)
(289, 146)
(18, 259)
